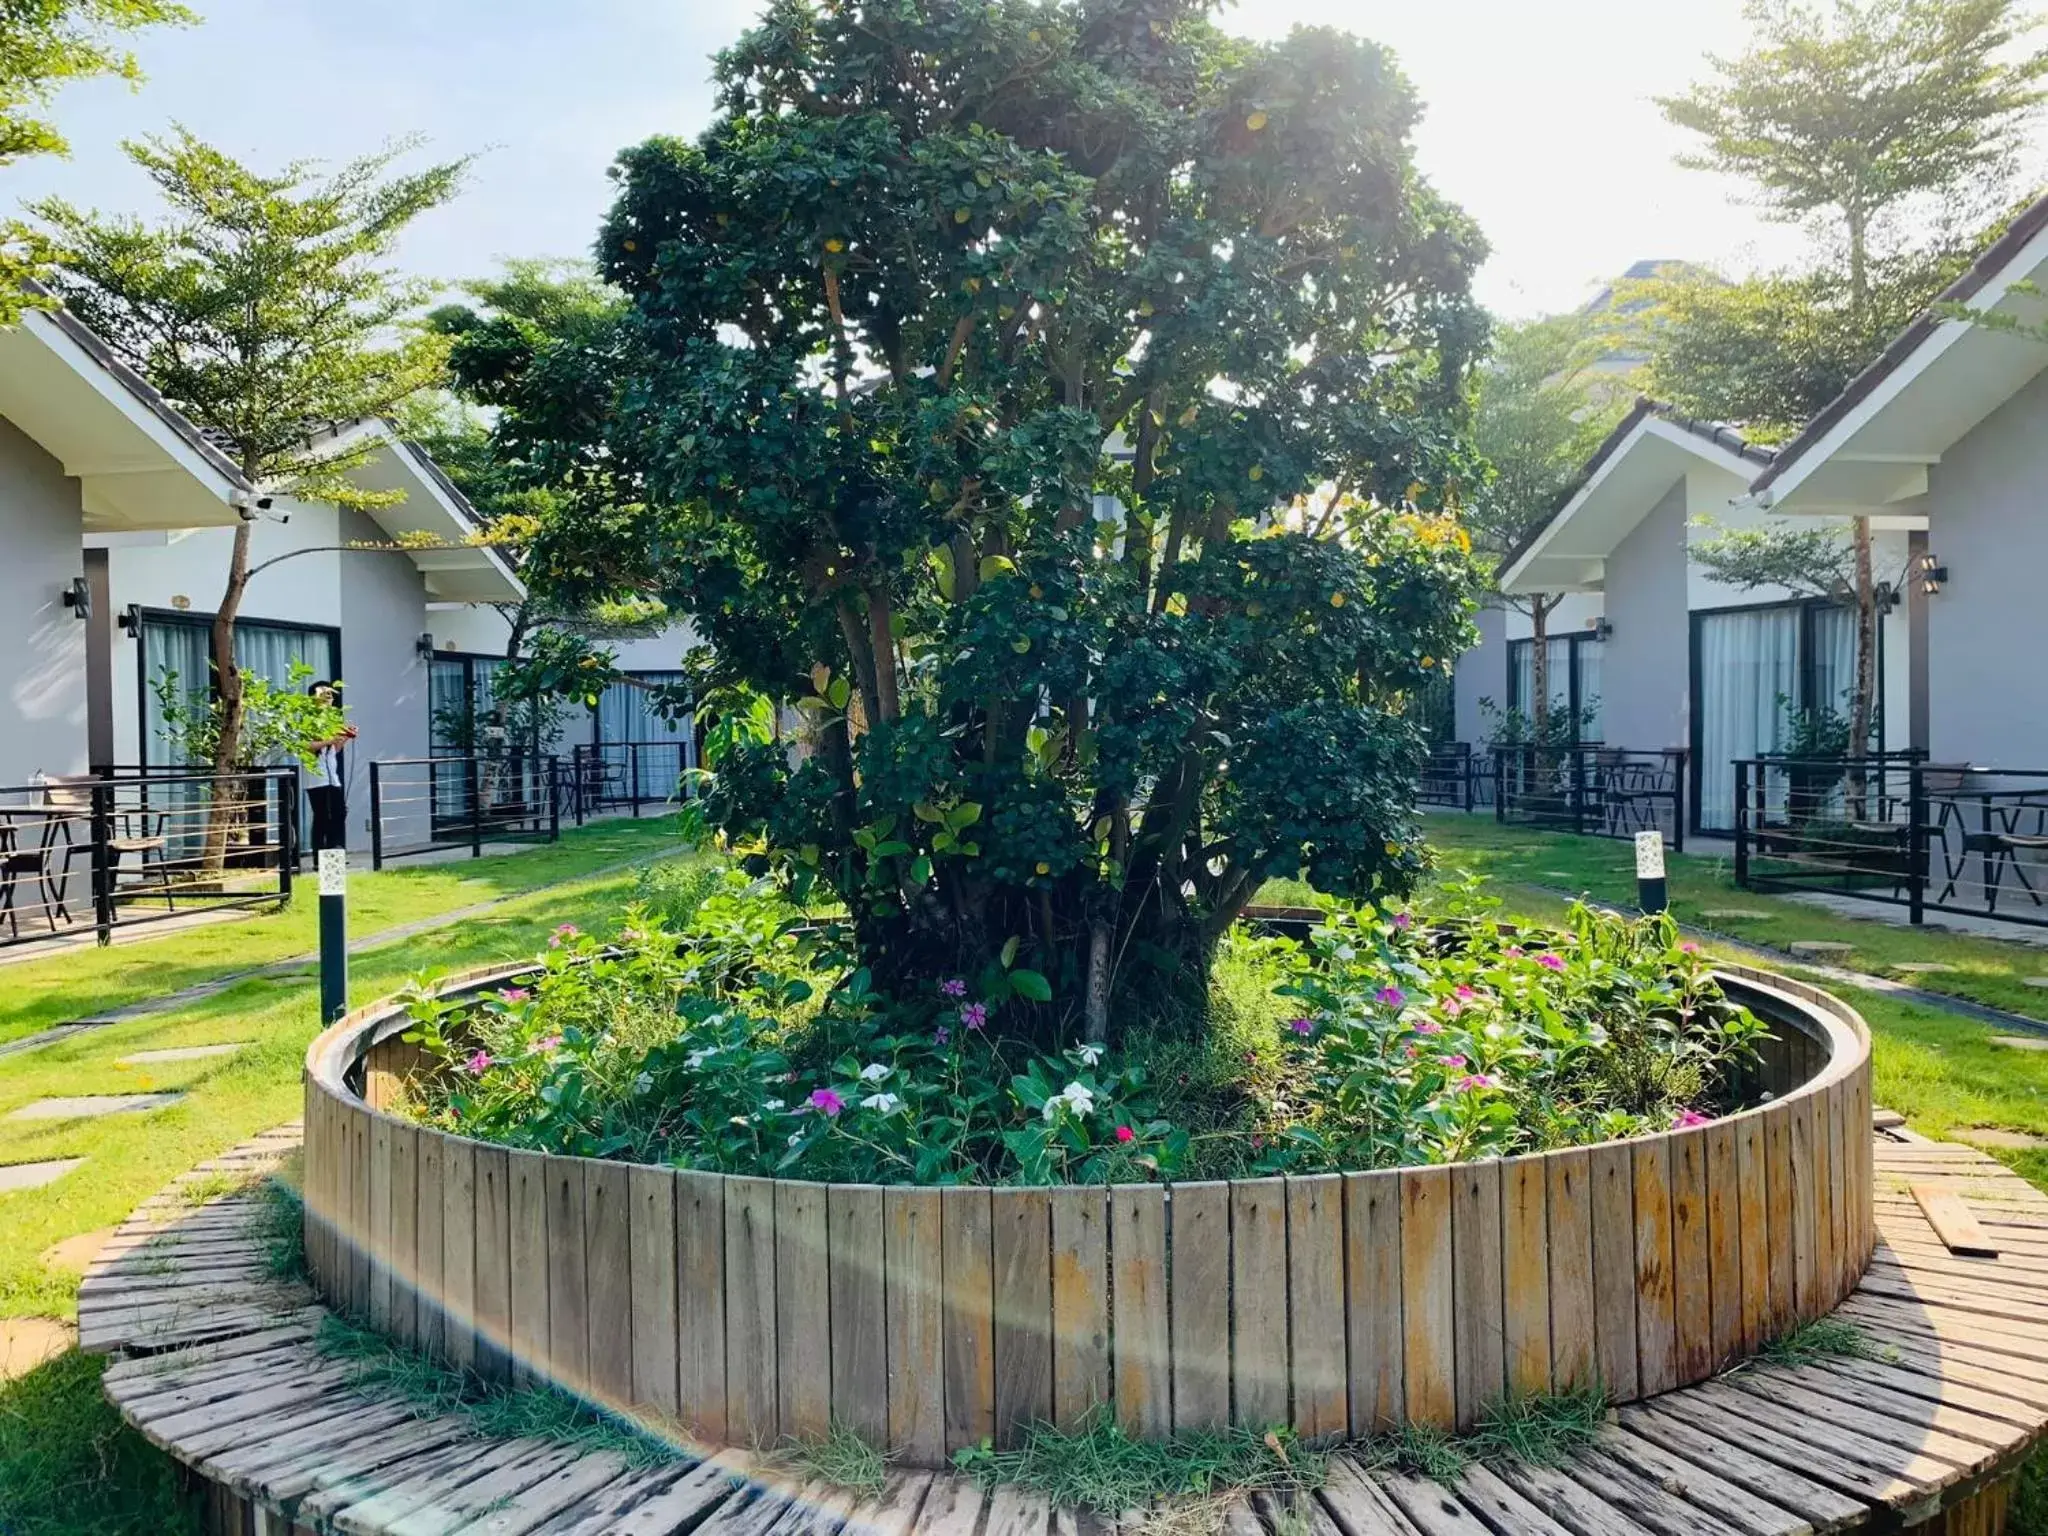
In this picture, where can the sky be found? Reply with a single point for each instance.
(1540, 117)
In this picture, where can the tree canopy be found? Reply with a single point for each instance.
(1062, 403)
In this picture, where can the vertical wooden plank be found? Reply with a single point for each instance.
(405, 1233)
(914, 1296)
(700, 1304)
(1805, 1208)
(1479, 1330)
(1021, 1225)
(651, 1272)
(527, 1179)
(1724, 1245)
(1427, 1306)
(380, 1223)
(1198, 1215)
(1656, 1300)
(1258, 1302)
(1525, 1275)
(964, 1225)
(751, 1365)
(431, 1172)
(1691, 1286)
(1080, 1304)
(608, 1282)
(1759, 1262)
(568, 1285)
(359, 1211)
(491, 1310)
(1315, 1302)
(1841, 1176)
(1372, 1299)
(458, 1252)
(1143, 1368)
(803, 1310)
(1827, 1248)
(1574, 1350)
(1866, 1169)
(856, 1244)
(1614, 1269)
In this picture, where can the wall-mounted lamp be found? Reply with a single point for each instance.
(425, 647)
(1932, 574)
(1602, 628)
(130, 620)
(78, 598)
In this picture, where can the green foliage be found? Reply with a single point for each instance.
(280, 1230)
(279, 722)
(1543, 1429)
(1422, 1449)
(1825, 1338)
(261, 302)
(884, 320)
(70, 1466)
(1813, 559)
(838, 1458)
(1098, 1467)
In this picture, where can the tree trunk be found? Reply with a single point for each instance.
(228, 685)
(1859, 262)
(1863, 700)
(1539, 666)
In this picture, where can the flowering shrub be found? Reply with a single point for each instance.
(745, 1042)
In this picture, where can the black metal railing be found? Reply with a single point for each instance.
(1594, 791)
(120, 847)
(626, 775)
(1457, 778)
(425, 804)
(1929, 837)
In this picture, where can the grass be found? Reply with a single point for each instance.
(69, 1465)
(35, 994)
(839, 1457)
(282, 1225)
(1825, 1338)
(1101, 1468)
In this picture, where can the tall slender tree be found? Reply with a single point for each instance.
(265, 307)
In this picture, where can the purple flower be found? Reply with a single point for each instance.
(1465, 994)
(953, 987)
(1427, 1027)
(941, 1035)
(1403, 921)
(515, 994)
(1685, 1119)
(1550, 962)
(1454, 1062)
(1302, 1026)
(974, 1015)
(1391, 997)
(826, 1102)
(1477, 1080)
(479, 1063)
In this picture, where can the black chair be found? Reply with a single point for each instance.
(131, 829)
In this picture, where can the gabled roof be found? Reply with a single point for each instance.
(1904, 426)
(1648, 451)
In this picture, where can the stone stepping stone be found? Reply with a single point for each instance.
(76, 1254)
(2037, 981)
(181, 1053)
(2021, 1042)
(88, 1106)
(1747, 913)
(1820, 949)
(1920, 967)
(15, 1176)
(1993, 1136)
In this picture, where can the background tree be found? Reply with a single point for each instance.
(930, 259)
(43, 45)
(1542, 408)
(1848, 120)
(264, 307)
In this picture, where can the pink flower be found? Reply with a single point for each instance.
(546, 1045)
(1465, 994)
(1477, 1080)
(1427, 1027)
(1550, 962)
(1513, 951)
(1403, 921)
(515, 994)
(1454, 1062)
(1302, 1026)
(565, 932)
(1413, 1049)
(1391, 997)
(974, 1015)
(826, 1102)
(941, 1035)
(479, 1063)
(954, 987)
(1685, 1119)
(1689, 948)
(1452, 1007)
(1125, 1133)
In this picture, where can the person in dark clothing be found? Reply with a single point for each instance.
(326, 788)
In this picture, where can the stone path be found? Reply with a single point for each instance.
(14, 1176)
(181, 1053)
(86, 1106)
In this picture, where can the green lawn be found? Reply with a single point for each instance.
(35, 994)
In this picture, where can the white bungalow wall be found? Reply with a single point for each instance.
(42, 703)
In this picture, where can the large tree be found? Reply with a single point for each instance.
(265, 307)
(1059, 401)
(1849, 120)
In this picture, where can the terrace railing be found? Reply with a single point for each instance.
(1596, 791)
(625, 775)
(121, 847)
(1929, 837)
(421, 805)
(1457, 778)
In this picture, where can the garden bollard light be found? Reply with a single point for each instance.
(333, 933)
(1650, 894)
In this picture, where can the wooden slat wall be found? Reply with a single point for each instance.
(755, 1309)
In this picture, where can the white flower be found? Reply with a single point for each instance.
(771, 1103)
(874, 1071)
(697, 1059)
(1495, 1031)
(1089, 1054)
(643, 1082)
(1077, 1098)
(882, 1103)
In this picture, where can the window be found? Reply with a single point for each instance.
(662, 749)
(1754, 671)
(1574, 680)
(181, 644)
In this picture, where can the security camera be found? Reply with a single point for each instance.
(250, 505)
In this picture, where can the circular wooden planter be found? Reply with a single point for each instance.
(746, 1310)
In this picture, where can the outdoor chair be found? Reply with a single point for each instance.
(131, 829)
(1997, 840)
(20, 864)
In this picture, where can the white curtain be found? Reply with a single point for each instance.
(1834, 659)
(1522, 689)
(626, 714)
(1747, 662)
(1588, 653)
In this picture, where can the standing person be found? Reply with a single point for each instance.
(325, 787)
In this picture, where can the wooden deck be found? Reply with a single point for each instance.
(218, 1365)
